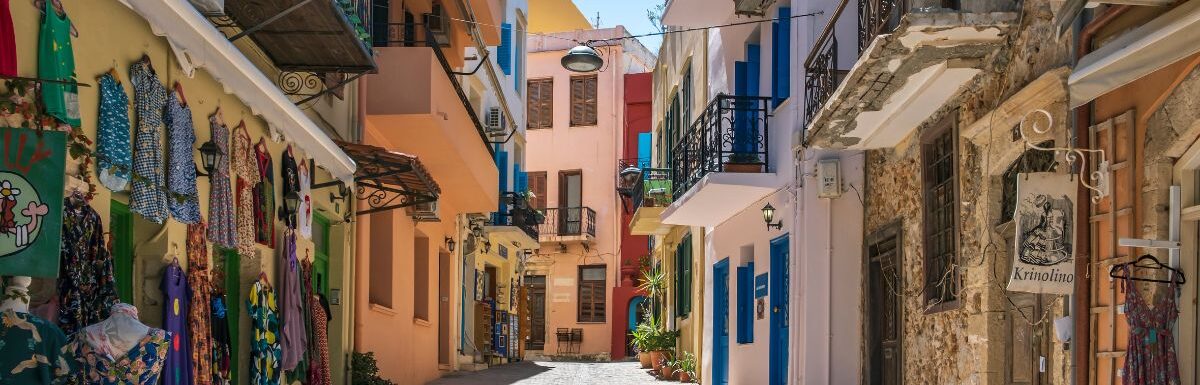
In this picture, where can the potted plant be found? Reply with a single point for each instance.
(686, 366)
(640, 341)
(744, 162)
(669, 365)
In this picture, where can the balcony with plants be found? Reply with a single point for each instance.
(516, 222)
(646, 192)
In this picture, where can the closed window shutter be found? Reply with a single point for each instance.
(504, 50)
(539, 107)
(745, 305)
(537, 185)
(583, 101)
(782, 63)
(547, 103)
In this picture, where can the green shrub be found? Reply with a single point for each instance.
(364, 370)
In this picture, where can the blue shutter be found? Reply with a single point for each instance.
(745, 304)
(782, 52)
(502, 165)
(753, 53)
(504, 50)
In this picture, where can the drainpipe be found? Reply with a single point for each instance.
(1081, 308)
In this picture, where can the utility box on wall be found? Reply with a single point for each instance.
(829, 179)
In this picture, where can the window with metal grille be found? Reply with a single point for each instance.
(592, 293)
(939, 159)
(540, 103)
(583, 100)
(1030, 161)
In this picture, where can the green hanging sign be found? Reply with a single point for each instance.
(31, 201)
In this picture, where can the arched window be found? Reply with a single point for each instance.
(1030, 161)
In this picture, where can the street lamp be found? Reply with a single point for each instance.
(582, 58)
(769, 215)
(629, 178)
(450, 244)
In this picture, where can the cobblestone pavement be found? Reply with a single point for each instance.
(555, 373)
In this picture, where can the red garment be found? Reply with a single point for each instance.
(8, 42)
(318, 368)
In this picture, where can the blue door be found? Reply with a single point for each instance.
(779, 310)
(720, 366)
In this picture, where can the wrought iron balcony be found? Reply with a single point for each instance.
(562, 223)
(518, 213)
(729, 136)
(653, 189)
(822, 72)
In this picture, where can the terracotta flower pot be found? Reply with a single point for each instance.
(644, 358)
(656, 357)
(685, 377)
(743, 167)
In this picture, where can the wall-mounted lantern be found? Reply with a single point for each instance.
(208, 157)
(769, 216)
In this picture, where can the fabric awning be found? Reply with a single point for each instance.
(1164, 40)
(197, 44)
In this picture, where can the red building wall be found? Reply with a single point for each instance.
(638, 116)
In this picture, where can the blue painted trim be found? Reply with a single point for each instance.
(504, 50)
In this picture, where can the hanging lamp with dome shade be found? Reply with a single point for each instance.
(582, 58)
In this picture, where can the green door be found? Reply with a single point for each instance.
(121, 227)
(231, 264)
(320, 234)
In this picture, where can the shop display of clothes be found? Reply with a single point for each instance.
(199, 311)
(1151, 358)
(56, 61)
(8, 42)
(184, 199)
(265, 352)
(304, 211)
(114, 158)
(86, 287)
(30, 350)
(222, 345)
(318, 367)
(222, 226)
(118, 351)
(149, 196)
(294, 341)
(290, 182)
(245, 169)
(264, 196)
(177, 370)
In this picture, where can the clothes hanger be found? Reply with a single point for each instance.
(58, 10)
(1153, 263)
(179, 93)
(149, 65)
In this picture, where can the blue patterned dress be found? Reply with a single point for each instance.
(141, 365)
(222, 228)
(149, 198)
(184, 200)
(112, 135)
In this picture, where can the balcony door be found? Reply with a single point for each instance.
(570, 202)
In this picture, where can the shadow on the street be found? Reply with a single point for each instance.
(500, 375)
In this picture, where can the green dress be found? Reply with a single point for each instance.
(31, 350)
(56, 61)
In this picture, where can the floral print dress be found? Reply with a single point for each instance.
(1151, 357)
(199, 313)
(265, 353)
(31, 350)
(112, 135)
(86, 287)
(141, 365)
(184, 199)
(149, 196)
(222, 226)
(245, 168)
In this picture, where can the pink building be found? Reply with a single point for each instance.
(575, 137)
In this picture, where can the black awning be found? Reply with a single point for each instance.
(389, 180)
(307, 35)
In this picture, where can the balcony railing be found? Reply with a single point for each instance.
(653, 189)
(729, 136)
(517, 212)
(568, 222)
(822, 72)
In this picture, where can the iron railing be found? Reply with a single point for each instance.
(729, 136)
(516, 211)
(358, 15)
(653, 189)
(568, 221)
(822, 73)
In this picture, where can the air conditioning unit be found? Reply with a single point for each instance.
(494, 122)
(439, 26)
(424, 212)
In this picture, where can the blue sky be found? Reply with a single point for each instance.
(629, 13)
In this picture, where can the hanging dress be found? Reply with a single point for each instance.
(56, 61)
(290, 183)
(264, 344)
(8, 42)
(1150, 359)
(199, 311)
(305, 209)
(222, 346)
(294, 340)
(222, 226)
(264, 196)
(246, 171)
(149, 197)
(318, 368)
(86, 287)
(112, 135)
(183, 198)
(178, 366)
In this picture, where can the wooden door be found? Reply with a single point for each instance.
(885, 320)
(537, 311)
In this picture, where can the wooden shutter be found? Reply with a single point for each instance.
(537, 184)
(592, 293)
(540, 107)
(583, 100)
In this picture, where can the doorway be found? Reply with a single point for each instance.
(537, 312)
(444, 308)
(570, 202)
(779, 309)
(720, 365)
(885, 323)
(121, 227)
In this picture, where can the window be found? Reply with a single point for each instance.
(380, 289)
(939, 158)
(570, 202)
(583, 100)
(592, 293)
(537, 185)
(685, 102)
(683, 277)
(540, 103)
(519, 54)
(745, 304)
(1030, 161)
(421, 277)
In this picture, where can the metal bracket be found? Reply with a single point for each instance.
(294, 84)
(1099, 179)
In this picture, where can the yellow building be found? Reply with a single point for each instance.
(549, 16)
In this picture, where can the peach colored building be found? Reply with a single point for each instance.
(574, 143)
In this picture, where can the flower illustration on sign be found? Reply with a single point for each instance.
(21, 212)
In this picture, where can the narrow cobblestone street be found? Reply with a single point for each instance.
(555, 373)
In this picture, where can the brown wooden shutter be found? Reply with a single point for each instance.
(541, 103)
(547, 105)
(583, 100)
(537, 184)
(589, 103)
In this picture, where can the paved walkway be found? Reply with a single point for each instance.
(555, 373)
